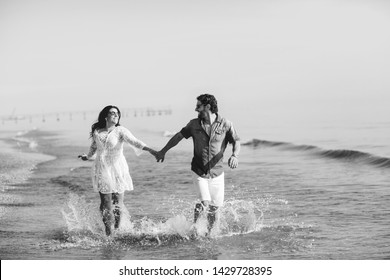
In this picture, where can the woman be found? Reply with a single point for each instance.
(110, 172)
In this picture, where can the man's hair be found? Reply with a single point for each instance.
(209, 99)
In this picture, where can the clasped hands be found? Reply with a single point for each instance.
(160, 156)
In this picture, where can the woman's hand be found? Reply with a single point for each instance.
(83, 157)
(152, 152)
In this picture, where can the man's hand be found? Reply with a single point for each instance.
(233, 162)
(160, 156)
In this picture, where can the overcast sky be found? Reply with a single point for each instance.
(74, 54)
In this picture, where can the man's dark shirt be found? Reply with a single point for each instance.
(208, 150)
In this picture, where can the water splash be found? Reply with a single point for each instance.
(264, 224)
(81, 216)
(85, 227)
(239, 217)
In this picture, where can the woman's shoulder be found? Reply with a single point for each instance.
(122, 130)
(96, 131)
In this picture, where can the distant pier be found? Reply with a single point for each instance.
(84, 115)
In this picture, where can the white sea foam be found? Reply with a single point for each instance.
(80, 215)
(84, 223)
(31, 144)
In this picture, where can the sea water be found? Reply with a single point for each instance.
(319, 191)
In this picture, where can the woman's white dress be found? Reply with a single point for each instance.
(110, 172)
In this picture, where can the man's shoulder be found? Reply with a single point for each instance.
(228, 125)
(192, 125)
(193, 122)
(224, 121)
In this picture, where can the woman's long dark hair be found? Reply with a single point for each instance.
(101, 122)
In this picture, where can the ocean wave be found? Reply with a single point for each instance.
(21, 138)
(18, 160)
(286, 145)
(341, 154)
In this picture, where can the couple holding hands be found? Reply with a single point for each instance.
(110, 173)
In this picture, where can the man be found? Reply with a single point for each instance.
(210, 133)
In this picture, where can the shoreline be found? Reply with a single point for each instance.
(16, 167)
(20, 159)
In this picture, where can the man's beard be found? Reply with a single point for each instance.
(201, 117)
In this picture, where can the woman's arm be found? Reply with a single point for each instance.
(92, 151)
(128, 137)
(136, 144)
(171, 143)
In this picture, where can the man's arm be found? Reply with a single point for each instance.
(233, 160)
(171, 143)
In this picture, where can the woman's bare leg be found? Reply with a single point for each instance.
(117, 199)
(106, 209)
